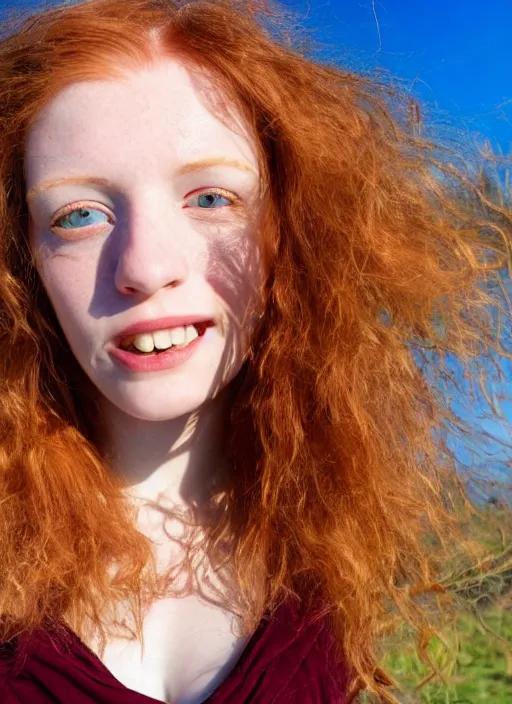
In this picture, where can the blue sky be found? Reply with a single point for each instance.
(454, 54)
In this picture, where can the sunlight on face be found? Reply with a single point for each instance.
(144, 206)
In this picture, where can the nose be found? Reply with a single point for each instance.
(151, 252)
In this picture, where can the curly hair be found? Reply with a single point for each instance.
(379, 249)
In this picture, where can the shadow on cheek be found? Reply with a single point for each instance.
(234, 273)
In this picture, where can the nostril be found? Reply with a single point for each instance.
(134, 290)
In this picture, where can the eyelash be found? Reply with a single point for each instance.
(84, 205)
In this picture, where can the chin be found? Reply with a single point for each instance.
(145, 409)
(164, 403)
(165, 399)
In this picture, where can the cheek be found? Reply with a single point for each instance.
(68, 281)
(234, 273)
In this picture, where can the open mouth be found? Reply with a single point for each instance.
(159, 341)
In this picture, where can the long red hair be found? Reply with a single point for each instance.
(376, 243)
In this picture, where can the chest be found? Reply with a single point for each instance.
(189, 649)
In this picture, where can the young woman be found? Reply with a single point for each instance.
(218, 457)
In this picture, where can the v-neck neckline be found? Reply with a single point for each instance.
(147, 699)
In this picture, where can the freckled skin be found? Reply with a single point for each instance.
(153, 249)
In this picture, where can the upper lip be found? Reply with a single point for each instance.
(163, 324)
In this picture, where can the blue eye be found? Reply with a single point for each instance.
(79, 214)
(211, 195)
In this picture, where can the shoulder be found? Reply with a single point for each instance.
(31, 666)
(315, 676)
(7, 695)
(8, 664)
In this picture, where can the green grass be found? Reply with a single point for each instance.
(478, 671)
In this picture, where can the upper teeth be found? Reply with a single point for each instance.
(161, 339)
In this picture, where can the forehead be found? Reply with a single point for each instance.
(165, 109)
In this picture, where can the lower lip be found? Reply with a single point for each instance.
(169, 359)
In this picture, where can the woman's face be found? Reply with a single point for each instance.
(144, 219)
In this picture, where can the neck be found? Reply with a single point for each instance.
(166, 463)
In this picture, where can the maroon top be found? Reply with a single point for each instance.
(288, 660)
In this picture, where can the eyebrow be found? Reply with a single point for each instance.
(184, 169)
